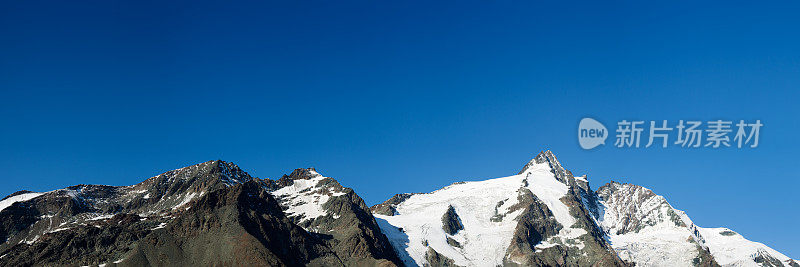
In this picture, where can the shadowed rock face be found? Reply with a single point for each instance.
(240, 225)
(343, 220)
(207, 214)
(704, 258)
(451, 224)
(435, 259)
(537, 224)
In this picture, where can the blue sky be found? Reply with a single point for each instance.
(404, 97)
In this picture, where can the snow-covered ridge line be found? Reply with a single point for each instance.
(18, 198)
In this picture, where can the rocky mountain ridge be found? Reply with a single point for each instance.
(211, 213)
(214, 213)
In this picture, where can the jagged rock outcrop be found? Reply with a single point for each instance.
(388, 206)
(434, 259)
(451, 223)
(536, 223)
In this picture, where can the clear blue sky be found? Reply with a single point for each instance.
(404, 97)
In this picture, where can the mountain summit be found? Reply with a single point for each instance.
(214, 213)
(534, 218)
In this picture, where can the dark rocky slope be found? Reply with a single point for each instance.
(212, 213)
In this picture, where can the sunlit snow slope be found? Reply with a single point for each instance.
(486, 210)
(731, 249)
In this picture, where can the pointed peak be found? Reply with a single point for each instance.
(545, 156)
(230, 173)
(226, 165)
(303, 174)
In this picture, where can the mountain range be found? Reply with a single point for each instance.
(215, 214)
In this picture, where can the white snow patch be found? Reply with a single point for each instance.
(71, 193)
(314, 173)
(18, 198)
(58, 230)
(303, 199)
(187, 198)
(29, 242)
(160, 226)
(100, 217)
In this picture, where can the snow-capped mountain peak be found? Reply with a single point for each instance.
(547, 157)
(505, 221)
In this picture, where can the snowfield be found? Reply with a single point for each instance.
(661, 245)
(483, 242)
